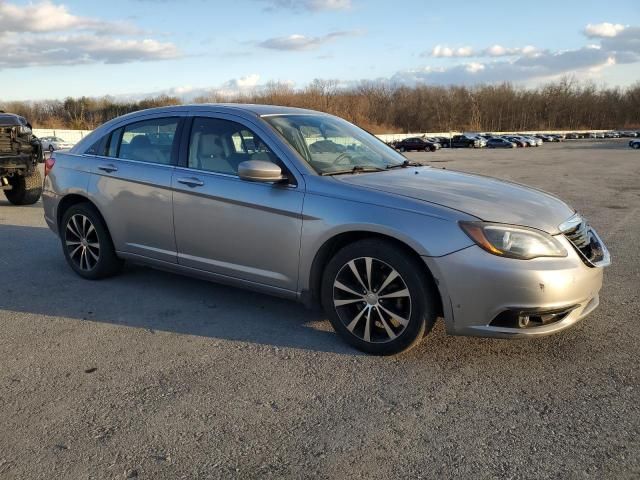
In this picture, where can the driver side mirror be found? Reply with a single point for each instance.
(261, 171)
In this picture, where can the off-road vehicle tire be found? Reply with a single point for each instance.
(26, 190)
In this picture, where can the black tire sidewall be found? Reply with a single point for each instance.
(423, 313)
(108, 263)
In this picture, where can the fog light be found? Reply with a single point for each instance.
(523, 321)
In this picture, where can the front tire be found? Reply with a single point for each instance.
(86, 243)
(378, 298)
(26, 189)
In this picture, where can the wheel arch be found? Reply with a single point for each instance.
(72, 199)
(340, 240)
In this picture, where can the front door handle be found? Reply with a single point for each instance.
(191, 182)
(108, 168)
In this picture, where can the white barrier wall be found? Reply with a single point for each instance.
(73, 136)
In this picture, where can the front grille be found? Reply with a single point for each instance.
(579, 236)
(586, 243)
(6, 136)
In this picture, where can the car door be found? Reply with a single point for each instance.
(232, 227)
(131, 185)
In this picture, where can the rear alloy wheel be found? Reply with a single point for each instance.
(86, 243)
(377, 298)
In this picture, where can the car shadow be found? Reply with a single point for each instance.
(37, 280)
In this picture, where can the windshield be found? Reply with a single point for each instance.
(332, 145)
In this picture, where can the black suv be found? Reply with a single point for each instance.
(20, 153)
(463, 141)
(418, 144)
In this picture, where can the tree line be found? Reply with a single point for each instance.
(385, 108)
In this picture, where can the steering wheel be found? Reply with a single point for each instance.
(343, 159)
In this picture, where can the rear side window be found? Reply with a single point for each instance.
(147, 141)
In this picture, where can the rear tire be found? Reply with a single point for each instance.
(26, 189)
(388, 305)
(86, 243)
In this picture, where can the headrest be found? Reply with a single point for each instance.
(208, 146)
(140, 141)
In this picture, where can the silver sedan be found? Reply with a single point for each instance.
(307, 206)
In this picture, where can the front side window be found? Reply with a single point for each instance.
(221, 145)
(332, 145)
(146, 141)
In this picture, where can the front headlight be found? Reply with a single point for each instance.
(24, 129)
(512, 241)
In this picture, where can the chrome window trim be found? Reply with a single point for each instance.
(128, 160)
(232, 177)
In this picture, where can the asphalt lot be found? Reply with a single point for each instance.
(154, 376)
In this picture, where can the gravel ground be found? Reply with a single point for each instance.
(152, 375)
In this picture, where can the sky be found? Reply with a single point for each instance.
(135, 48)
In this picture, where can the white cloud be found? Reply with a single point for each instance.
(222, 92)
(603, 30)
(45, 34)
(19, 51)
(474, 67)
(500, 51)
(307, 5)
(45, 16)
(441, 51)
(301, 42)
(626, 45)
(524, 68)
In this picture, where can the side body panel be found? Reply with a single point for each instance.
(236, 228)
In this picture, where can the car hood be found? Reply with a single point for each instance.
(486, 198)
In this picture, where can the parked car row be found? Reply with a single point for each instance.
(492, 140)
(610, 134)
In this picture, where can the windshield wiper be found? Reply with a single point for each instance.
(355, 169)
(405, 164)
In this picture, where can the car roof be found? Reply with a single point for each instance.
(12, 119)
(238, 108)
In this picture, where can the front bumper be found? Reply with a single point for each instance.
(477, 288)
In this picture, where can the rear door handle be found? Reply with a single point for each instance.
(191, 182)
(108, 168)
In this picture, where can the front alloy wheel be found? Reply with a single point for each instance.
(372, 300)
(379, 297)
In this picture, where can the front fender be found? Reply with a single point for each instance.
(325, 218)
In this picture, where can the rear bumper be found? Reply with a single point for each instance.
(50, 202)
(477, 287)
